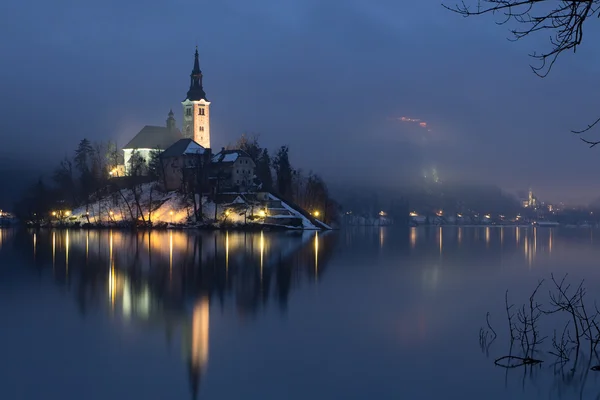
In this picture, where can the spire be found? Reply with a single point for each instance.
(171, 121)
(196, 91)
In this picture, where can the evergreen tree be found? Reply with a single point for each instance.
(155, 169)
(284, 172)
(112, 155)
(65, 184)
(83, 156)
(263, 170)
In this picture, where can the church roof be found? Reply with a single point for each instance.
(196, 91)
(154, 137)
(183, 147)
(229, 156)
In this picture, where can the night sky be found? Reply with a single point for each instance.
(329, 78)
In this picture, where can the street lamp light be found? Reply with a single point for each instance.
(316, 213)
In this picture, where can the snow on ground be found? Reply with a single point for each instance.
(171, 208)
(306, 224)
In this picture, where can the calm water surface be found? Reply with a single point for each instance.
(378, 313)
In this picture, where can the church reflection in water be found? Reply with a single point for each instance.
(171, 279)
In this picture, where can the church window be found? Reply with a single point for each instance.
(201, 111)
(201, 129)
(188, 111)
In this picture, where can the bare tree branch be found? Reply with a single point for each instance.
(564, 20)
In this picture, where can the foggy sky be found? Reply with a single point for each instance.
(329, 78)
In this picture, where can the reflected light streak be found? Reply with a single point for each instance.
(316, 254)
(501, 236)
(170, 255)
(53, 248)
(413, 237)
(550, 241)
(487, 236)
(67, 253)
(112, 286)
(517, 234)
(381, 237)
(126, 300)
(34, 244)
(262, 252)
(459, 235)
(200, 331)
(441, 243)
(227, 253)
(534, 241)
(87, 246)
(110, 250)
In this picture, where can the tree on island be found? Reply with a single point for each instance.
(310, 191)
(83, 161)
(65, 183)
(284, 172)
(564, 20)
(263, 169)
(137, 169)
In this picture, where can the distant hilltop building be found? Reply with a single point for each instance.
(531, 201)
(196, 124)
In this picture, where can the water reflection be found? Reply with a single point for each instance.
(230, 300)
(151, 276)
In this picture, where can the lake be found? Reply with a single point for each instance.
(363, 313)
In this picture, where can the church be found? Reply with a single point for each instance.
(196, 123)
(235, 167)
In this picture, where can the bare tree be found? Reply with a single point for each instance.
(564, 20)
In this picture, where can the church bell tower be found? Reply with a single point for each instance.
(196, 109)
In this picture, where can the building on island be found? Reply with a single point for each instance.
(149, 139)
(196, 125)
(185, 162)
(232, 170)
(187, 153)
(196, 109)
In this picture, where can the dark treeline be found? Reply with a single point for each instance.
(85, 176)
(74, 181)
(306, 189)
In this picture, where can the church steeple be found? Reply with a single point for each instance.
(196, 109)
(196, 91)
(171, 121)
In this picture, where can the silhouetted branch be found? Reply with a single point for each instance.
(484, 335)
(509, 317)
(565, 21)
(487, 319)
(520, 361)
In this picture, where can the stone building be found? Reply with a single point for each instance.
(232, 170)
(186, 163)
